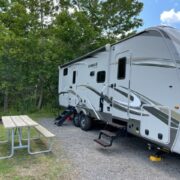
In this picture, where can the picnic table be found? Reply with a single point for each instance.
(15, 124)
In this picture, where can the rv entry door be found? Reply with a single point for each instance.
(119, 86)
(73, 86)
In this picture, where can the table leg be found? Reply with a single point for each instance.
(50, 142)
(12, 146)
(9, 135)
(20, 146)
(20, 136)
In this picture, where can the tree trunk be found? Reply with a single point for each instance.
(40, 99)
(6, 101)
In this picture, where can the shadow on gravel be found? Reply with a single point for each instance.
(136, 150)
(127, 156)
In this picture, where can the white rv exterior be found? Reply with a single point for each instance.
(136, 80)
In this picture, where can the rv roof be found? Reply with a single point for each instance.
(101, 49)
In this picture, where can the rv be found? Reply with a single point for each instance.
(134, 83)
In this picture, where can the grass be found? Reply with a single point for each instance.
(41, 114)
(42, 166)
(23, 166)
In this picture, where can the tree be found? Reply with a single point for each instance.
(84, 25)
(73, 35)
(9, 68)
(37, 36)
(112, 17)
(25, 52)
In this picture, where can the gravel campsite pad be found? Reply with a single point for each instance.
(126, 159)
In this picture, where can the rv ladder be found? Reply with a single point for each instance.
(109, 135)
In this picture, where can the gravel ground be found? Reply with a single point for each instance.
(126, 159)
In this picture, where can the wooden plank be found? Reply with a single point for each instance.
(44, 131)
(28, 120)
(18, 121)
(7, 122)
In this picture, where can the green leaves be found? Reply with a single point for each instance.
(37, 36)
(111, 18)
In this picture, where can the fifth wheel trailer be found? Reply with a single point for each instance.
(135, 81)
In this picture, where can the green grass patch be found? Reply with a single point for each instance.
(24, 166)
(41, 114)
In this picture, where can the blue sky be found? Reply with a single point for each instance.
(161, 12)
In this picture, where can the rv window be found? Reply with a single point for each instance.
(92, 73)
(65, 72)
(101, 76)
(74, 77)
(121, 68)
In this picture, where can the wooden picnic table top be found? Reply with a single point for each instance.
(10, 122)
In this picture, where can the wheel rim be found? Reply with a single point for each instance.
(83, 122)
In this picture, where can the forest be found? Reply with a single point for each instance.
(36, 36)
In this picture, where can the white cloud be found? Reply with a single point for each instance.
(170, 17)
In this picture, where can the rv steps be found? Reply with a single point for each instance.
(116, 125)
(102, 142)
(64, 116)
(109, 135)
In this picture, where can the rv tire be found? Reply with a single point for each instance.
(85, 122)
(76, 120)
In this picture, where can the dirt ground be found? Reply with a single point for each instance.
(126, 159)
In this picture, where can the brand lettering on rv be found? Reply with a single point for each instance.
(92, 65)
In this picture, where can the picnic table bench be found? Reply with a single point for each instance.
(12, 123)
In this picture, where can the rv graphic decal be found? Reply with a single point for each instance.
(134, 108)
(135, 102)
(166, 63)
(117, 104)
(93, 65)
(158, 113)
(140, 100)
(72, 92)
(63, 92)
(143, 99)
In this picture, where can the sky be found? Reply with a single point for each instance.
(160, 12)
